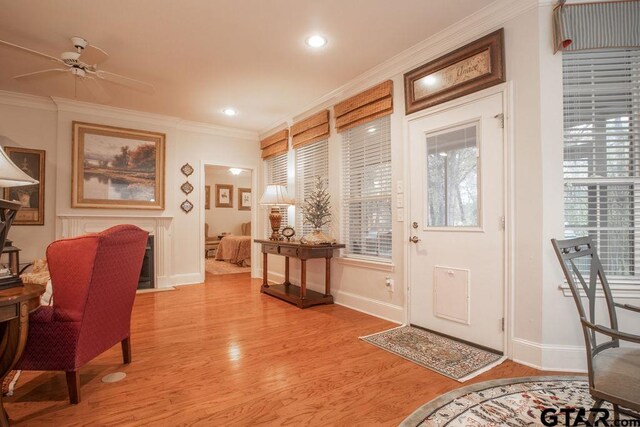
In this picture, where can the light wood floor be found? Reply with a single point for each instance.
(222, 354)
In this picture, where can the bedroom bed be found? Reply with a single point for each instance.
(235, 249)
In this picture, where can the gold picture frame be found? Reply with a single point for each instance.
(224, 196)
(244, 199)
(207, 197)
(478, 65)
(31, 197)
(117, 168)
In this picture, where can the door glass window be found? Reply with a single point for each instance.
(452, 177)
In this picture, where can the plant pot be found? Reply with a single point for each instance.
(317, 237)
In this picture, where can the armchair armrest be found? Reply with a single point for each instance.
(627, 307)
(612, 332)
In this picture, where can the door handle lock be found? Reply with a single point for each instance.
(414, 239)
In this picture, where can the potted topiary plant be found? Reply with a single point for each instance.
(316, 211)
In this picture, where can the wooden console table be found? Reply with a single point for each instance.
(299, 295)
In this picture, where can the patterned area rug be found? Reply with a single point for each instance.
(448, 357)
(506, 402)
(222, 267)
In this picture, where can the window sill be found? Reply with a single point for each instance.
(618, 290)
(365, 263)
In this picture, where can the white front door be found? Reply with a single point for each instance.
(457, 222)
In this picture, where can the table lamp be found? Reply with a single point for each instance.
(275, 196)
(10, 176)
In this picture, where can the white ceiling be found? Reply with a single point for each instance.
(204, 55)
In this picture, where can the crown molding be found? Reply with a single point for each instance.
(27, 101)
(282, 124)
(116, 113)
(190, 126)
(477, 24)
(80, 107)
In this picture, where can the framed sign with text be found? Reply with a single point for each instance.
(473, 67)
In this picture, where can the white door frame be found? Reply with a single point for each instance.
(506, 91)
(254, 210)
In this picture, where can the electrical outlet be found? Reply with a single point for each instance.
(390, 283)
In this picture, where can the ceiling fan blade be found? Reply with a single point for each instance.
(93, 55)
(53, 58)
(95, 88)
(35, 73)
(125, 81)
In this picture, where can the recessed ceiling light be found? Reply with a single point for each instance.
(229, 111)
(316, 41)
(235, 171)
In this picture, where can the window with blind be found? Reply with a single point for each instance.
(276, 173)
(602, 154)
(366, 156)
(312, 161)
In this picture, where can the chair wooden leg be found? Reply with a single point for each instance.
(126, 350)
(73, 384)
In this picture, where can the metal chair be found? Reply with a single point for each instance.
(614, 371)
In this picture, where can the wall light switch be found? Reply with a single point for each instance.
(399, 187)
(399, 201)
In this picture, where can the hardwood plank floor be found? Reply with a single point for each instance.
(221, 353)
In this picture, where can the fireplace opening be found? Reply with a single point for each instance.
(148, 271)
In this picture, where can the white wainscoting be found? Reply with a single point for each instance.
(159, 226)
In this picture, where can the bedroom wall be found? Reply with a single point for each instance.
(227, 220)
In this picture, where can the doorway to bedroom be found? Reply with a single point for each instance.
(227, 220)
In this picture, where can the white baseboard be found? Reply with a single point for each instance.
(391, 312)
(164, 282)
(384, 310)
(549, 357)
(186, 279)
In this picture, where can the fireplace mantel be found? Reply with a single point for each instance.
(72, 225)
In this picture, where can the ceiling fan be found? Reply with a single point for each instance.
(82, 63)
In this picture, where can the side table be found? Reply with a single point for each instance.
(15, 305)
(299, 295)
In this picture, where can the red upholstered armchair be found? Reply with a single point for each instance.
(94, 280)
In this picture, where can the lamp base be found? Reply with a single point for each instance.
(275, 218)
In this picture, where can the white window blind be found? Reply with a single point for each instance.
(276, 173)
(312, 161)
(366, 156)
(602, 154)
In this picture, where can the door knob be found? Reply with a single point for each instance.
(414, 239)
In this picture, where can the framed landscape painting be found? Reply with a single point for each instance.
(31, 197)
(117, 168)
(224, 196)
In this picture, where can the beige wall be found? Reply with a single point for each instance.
(36, 122)
(34, 128)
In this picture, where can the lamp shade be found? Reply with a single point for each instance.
(10, 174)
(275, 195)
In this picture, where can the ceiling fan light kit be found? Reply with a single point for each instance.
(83, 65)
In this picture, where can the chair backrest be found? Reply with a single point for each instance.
(94, 280)
(206, 230)
(586, 278)
(245, 228)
